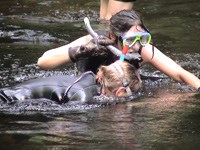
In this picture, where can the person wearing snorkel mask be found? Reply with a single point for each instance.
(127, 31)
(119, 79)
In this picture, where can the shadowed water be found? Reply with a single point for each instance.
(165, 116)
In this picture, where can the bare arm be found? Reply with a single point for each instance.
(169, 67)
(58, 56)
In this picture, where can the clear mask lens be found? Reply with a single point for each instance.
(144, 39)
(130, 39)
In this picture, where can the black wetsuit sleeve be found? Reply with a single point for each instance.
(57, 88)
(83, 89)
(50, 88)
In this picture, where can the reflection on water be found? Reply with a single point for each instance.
(170, 123)
(166, 116)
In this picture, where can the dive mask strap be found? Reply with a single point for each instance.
(122, 77)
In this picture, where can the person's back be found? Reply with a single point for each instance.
(119, 79)
(60, 88)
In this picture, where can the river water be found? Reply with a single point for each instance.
(166, 116)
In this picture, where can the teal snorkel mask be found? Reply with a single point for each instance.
(131, 38)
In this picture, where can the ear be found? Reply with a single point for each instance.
(120, 91)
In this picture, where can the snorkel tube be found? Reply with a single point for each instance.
(122, 54)
(124, 51)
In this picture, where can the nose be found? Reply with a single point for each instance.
(130, 50)
(134, 48)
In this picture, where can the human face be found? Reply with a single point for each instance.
(135, 38)
(115, 83)
(131, 38)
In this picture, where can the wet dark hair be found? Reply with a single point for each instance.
(122, 21)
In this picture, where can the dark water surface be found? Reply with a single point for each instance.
(166, 116)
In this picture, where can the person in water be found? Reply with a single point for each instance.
(119, 79)
(127, 29)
